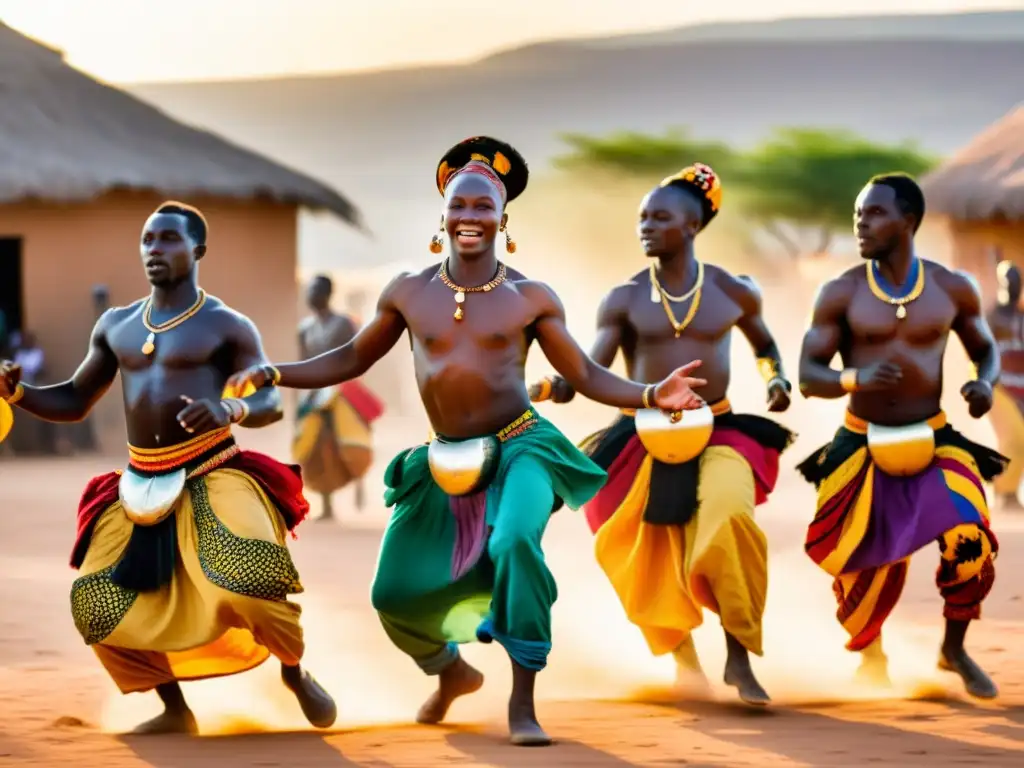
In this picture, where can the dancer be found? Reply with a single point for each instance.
(461, 557)
(897, 476)
(333, 443)
(675, 529)
(1007, 414)
(185, 572)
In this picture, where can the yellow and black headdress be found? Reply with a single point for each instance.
(491, 158)
(702, 181)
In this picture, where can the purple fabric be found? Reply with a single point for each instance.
(907, 513)
(470, 514)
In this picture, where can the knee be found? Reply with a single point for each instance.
(386, 596)
(967, 551)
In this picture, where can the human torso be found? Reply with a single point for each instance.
(470, 372)
(1008, 328)
(194, 359)
(917, 343)
(652, 350)
(322, 334)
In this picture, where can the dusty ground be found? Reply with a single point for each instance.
(604, 698)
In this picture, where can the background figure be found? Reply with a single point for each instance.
(1007, 415)
(333, 442)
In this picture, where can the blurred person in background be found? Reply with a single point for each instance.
(461, 558)
(897, 477)
(185, 572)
(333, 442)
(1007, 415)
(675, 529)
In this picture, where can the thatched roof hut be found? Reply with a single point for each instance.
(985, 179)
(83, 164)
(67, 137)
(979, 192)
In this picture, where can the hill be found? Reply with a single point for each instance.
(377, 135)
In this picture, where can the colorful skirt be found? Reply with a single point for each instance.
(675, 539)
(333, 441)
(455, 569)
(869, 523)
(204, 592)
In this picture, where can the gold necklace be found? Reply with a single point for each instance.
(677, 326)
(657, 290)
(461, 291)
(150, 346)
(898, 302)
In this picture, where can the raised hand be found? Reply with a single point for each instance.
(675, 392)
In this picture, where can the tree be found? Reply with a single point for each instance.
(808, 179)
(799, 179)
(642, 155)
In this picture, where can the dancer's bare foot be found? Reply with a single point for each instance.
(740, 675)
(953, 658)
(691, 682)
(317, 704)
(873, 671)
(180, 722)
(976, 681)
(458, 679)
(523, 728)
(176, 717)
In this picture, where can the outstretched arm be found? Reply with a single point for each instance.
(71, 400)
(822, 340)
(347, 361)
(976, 336)
(595, 381)
(611, 318)
(745, 292)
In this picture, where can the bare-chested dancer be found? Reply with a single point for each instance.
(675, 523)
(897, 477)
(1007, 415)
(461, 557)
(185, 572)
(333, 443)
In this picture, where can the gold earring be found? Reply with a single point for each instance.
(437, 241)
(510, 244)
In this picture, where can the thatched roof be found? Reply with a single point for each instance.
(985, 179)
(67, 137)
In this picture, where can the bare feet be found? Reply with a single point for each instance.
(317, 704)
(978, 684)
(169, 721)
(873, 673)
(1009, 502)
(523, 728)
(740, 675)
(458, 679)
(327, 515)
(691, 682)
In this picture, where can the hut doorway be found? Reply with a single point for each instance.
(11, 289)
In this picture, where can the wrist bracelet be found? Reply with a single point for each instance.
(236, 408)
(272, 374)
(848, 380)
(546, 386)
(769, 369)
(646, 397)
(19, 392)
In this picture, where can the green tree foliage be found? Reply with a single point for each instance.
(640, 154)
(798, 179)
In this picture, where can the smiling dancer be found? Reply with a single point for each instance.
(897, 477)
(185, 572)
(675, 530)
(461, 557)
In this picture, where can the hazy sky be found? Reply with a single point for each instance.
(137, 40)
